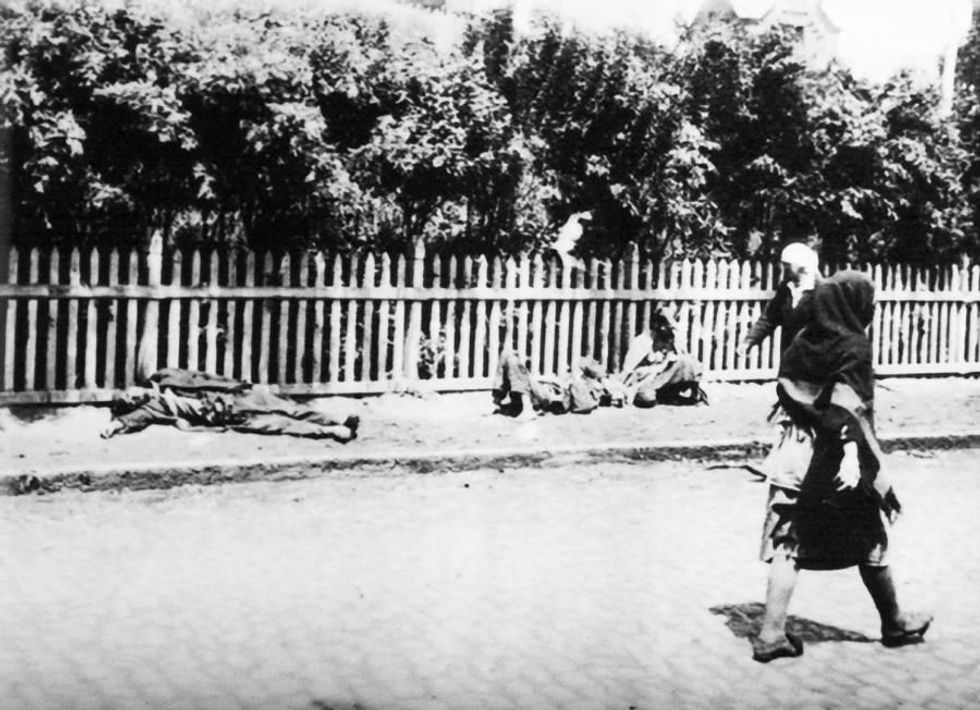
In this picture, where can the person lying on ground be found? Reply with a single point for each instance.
(655, 372)
(518, 393)
(197, 401)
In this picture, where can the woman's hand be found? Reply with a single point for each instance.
(849, 474)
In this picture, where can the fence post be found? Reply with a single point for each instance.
(414, 334)
(146, 358)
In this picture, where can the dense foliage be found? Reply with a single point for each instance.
(290, 130)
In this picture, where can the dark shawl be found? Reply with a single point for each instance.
(826, 376)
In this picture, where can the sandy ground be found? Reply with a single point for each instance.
(40, 439)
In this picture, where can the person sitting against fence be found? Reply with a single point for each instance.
(518, 393)
(654, 370)
(194, 401)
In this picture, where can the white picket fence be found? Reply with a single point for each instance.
(81, 327)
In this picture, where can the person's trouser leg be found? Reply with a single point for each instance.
(501, 386)
(276, 423)
(783, 571)
(512, 378)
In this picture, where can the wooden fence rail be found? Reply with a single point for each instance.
(81, 327)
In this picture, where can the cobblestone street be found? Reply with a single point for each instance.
(616, 586)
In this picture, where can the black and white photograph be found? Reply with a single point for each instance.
(489, 354)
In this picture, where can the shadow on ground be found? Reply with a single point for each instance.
(744, 621)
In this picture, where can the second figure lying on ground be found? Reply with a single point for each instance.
(193, 400)
(653, 372)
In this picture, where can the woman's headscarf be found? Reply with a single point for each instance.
(833, 346)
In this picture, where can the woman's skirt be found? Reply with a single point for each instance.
(827, 531)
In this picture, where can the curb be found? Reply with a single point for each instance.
(169, 475)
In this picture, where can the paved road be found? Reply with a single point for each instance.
(613, 587)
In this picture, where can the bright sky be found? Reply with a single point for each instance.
(877, 37)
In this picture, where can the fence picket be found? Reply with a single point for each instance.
(958, 336)
(129, 354)
(943, 335)
(605, 358)
(563, 347)
(450, 356)
(194, 315)
(335, 324)
(522, 310)
(464, 326)
(548, 366)
(51, 339)
(412, 340)
(31, 346)
(493, 336)
(381, 357)
(10, 334)
(634, 285)
(711, 311)
(367, 333)
(112, 315)
(877, 321)
(231, 311)
(398, 337)
(510, 312)
(174, 307)
(300, 353)
(618, 317)
(435, 319)
(264, 313)
(888, 331)
(973, 317)
(211, 329)
(350, 326)
(577, 315)
(646, 312)
(744, 317)
(283, 335)
(91, 325)
(248, 321)
(71, 347)
(317, 332)
(537, 283)
(594, 350)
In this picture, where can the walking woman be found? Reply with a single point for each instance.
(830, 502)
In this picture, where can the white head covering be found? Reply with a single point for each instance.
(800, 255)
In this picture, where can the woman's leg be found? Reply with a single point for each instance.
(773, 641)
(783, 571)
(897, 627)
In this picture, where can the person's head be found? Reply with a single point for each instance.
(661, 330)
(800, 263)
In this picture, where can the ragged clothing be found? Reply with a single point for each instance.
(654, 372)
(826, 392)
(579, 392)
(193, 400)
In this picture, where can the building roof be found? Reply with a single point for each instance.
(797, 13)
